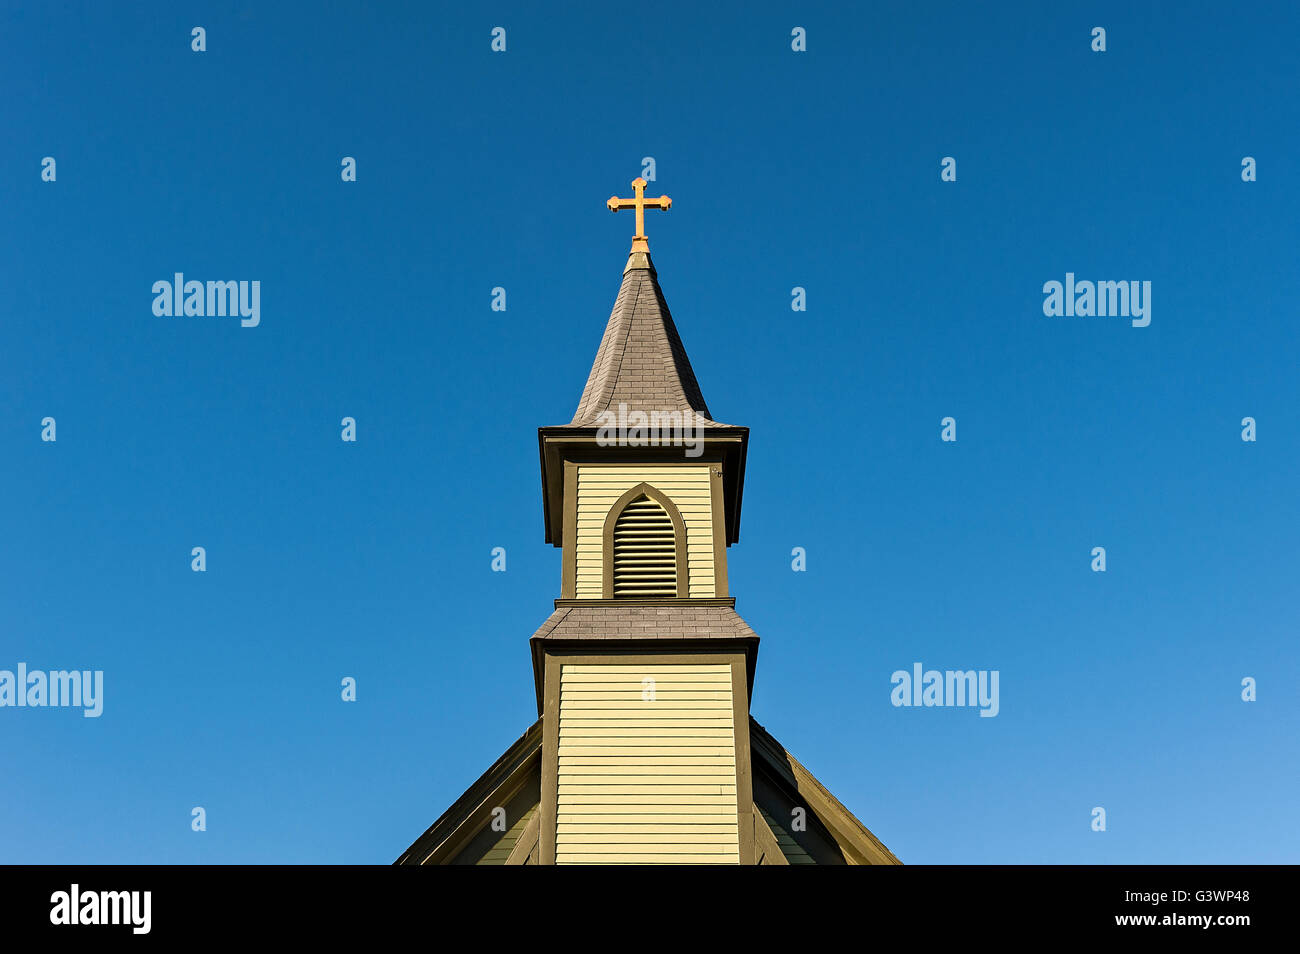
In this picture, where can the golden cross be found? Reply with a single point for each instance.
(639, 241)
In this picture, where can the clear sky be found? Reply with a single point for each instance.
(818, 169)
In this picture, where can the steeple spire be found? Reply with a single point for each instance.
(642, 406)
(641, 363)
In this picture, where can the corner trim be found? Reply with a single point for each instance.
(569, 559)
(719, 518)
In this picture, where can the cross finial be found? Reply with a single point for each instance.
(639, 241)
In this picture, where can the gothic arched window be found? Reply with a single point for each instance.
(645, 547)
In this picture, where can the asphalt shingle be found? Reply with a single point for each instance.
(603, 621)
(641, 362)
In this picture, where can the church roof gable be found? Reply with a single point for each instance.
(517, 768)
(774, 764)
(782, 778)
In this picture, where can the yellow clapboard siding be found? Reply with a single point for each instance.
(638, 722)
(656, 799)
(617, 770)
(637, 829)
(607, 757)
(665, 700)
(598, 475)
(578, 858)
(678, 731)
(721, 848)
(666, 841)
(692, 499)
(637, 689)
(687, 486)
(613, 798)
(647, 750)
(622, 702)
(593, 476)
(634, 785)
(699, 699)
(688, 674)
(667, 711)
(698, 705)
(647, 693)
(702, 700)
(655, 736)
(593, 784)
(608, 775)
(589, 718)
(647, 762)
(630, 745)
(666, 468)
(576, 669)
(657, 695)
(634, 821)
(584, 775)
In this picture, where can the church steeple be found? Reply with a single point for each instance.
(642, 407)
(644, 751)
(641, 365)
(642, 490)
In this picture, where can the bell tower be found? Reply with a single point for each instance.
(644, 670)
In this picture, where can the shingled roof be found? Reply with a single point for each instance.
(610, 623)
(641, 361)
(686, 620)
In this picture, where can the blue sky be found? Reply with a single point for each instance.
(818, 169)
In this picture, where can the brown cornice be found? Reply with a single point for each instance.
(725, 445)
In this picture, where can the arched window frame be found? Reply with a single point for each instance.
(679, 539)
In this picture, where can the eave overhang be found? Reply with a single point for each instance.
(723, 444)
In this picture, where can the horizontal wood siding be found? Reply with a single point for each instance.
(687, 486)
(646, 780)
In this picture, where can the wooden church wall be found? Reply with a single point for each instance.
(647, 770)
(686, 485)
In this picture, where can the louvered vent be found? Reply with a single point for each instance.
(645, 552)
